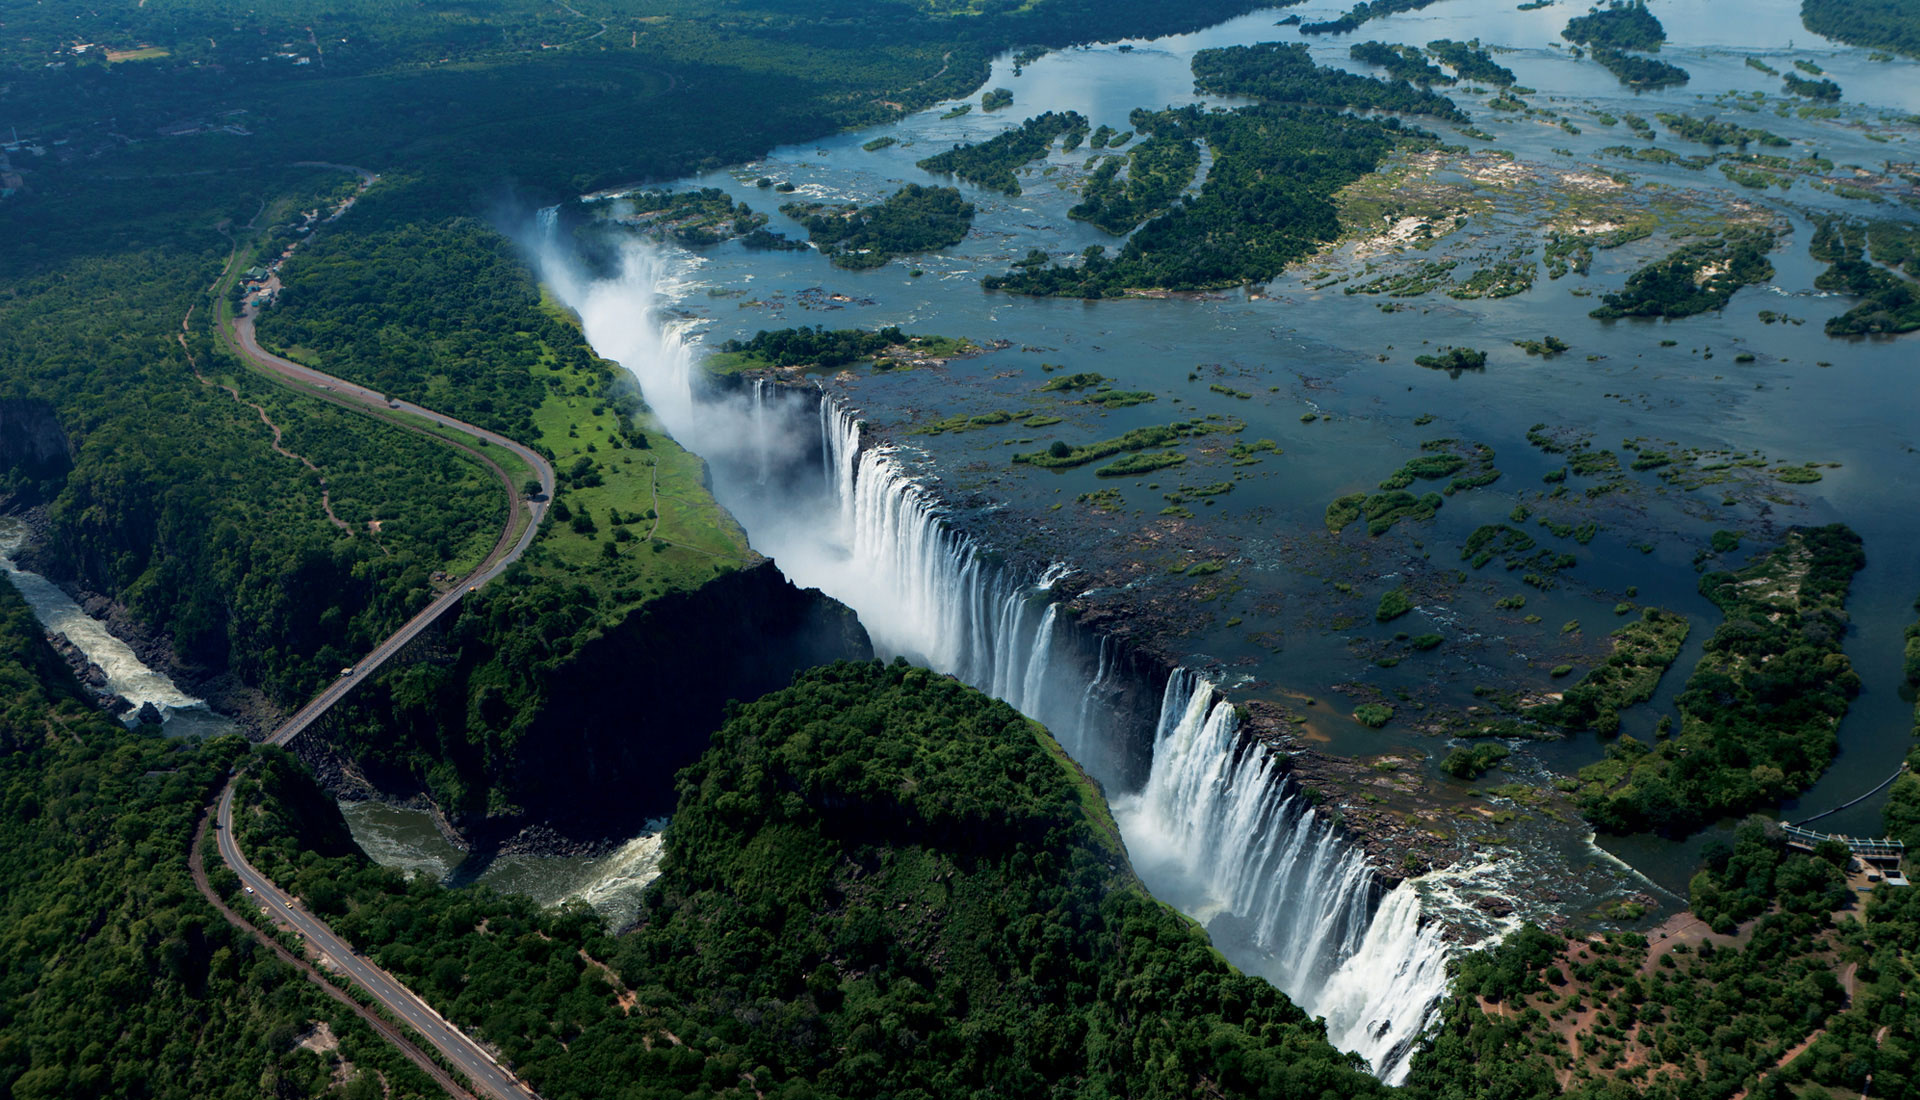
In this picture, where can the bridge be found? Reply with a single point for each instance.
(1884, 850)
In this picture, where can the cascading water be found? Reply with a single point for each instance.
(1223, 832)
(1216, 828)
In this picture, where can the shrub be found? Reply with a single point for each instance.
(1373, 715)
(1393, 605)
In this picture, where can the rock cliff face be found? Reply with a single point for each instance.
(642, 701)
(34, 450)
(593, 755)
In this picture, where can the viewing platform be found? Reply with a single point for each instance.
(1884, 852)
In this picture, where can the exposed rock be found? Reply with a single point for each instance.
(32, 443)
(90, 675)
(149, 714)
(1492, 906)
(1384, 802)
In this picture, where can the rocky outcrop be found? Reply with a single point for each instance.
(34, 451)
(91, 676)
(1384, 802)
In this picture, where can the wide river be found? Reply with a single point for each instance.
(1718, 382)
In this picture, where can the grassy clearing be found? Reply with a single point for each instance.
(650, 526)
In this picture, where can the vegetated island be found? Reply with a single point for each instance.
(805, 347)
(1406, 63)
(1890, 304)
(1694, 278)
(992, 163)
(1620, 26)
(1361, 13)
(1470, 61)
(1283, 72)
(879, 882)
(912, 219)
(1268, 196)
(1142, 447)
(1611, 32)
(1158, 170)
(1759, 711)
(693, 219)
(1642, 653)
(1469, 465)
(1880, 24)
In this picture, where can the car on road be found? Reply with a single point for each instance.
(248, 889)
(288, 903)
(347, 671)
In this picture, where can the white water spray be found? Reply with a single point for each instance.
(1217, 829)
(1221, 830)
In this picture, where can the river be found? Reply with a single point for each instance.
(1303, 347)
(1327, 376)
(181, 714)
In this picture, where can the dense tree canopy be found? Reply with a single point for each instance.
(1759, 712)
(1267, 201)
(116, 976)
(878, 882)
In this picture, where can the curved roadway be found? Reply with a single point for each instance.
(485, 1074)
(505, 553)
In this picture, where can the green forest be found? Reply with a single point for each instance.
(1670, 287)
(1158, 170)
(1470, 61)
(1267, 201)
(1619, 26)
(1282, 72)
(176, 501)
(912, 219)
(878, 882)
(1758, 715)
(117, 978)
(1881, 24)
(1361, 14)
(993, 163)
(814, 346)
(1889, 303)
(1704, 1015)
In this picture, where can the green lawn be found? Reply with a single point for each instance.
(671, 534)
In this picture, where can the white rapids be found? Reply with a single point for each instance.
(127, 676)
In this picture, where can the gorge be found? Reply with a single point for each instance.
(1215, 824)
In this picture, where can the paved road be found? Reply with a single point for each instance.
(381, 1025)
(505, 553)
(523, 524)
(487, 1076)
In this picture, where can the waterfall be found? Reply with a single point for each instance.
(547, 221)
(1222, 830)
(1215, 825)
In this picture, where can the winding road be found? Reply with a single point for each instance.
(524, 515)
(241, 339)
